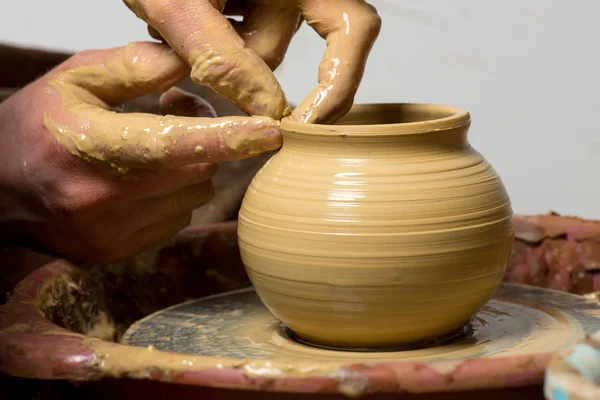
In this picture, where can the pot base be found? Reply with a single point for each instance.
(463, 332)
(519, 320)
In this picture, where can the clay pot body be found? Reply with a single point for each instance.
(385, 229)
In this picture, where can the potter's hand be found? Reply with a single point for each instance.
(232, 63)
(84, 182)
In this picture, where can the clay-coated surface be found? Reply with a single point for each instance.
(235, 57)
(89, 125)
(519, 320)
(385, 229)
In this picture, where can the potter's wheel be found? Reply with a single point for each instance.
(518, 320)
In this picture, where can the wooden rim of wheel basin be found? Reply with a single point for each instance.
(31, 346)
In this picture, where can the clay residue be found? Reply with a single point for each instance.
(103, 300)
(90, 128)
(260, 93)
(75, 302)
(102, 327)
(252, 341)
(250, 144)
(127, 361)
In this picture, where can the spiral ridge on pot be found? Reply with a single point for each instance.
(376, 235)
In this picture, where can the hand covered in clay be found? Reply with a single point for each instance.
(81, 180)
(235, 58)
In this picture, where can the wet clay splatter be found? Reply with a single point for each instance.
(76, 302)
(89, 125)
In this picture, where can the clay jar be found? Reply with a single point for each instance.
(382, 230)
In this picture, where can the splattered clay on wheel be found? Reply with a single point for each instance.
(519, 320)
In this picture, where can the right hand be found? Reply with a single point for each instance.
(83, 182)
(235, 59)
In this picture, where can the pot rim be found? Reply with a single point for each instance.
(443, 117)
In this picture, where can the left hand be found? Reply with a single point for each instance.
(228, 55)
(82, 180)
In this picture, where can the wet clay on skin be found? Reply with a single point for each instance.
(237, 62)
(88, 126)
(385, 229)
(342, 24)
(216, 54)
(349, 27)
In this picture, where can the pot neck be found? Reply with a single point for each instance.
(401, 129)
(401, 144)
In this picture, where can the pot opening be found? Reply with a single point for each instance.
(388, 118)
(378, 114)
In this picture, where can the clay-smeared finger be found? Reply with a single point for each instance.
(86, 125)
(217, 55)
(149, 141)
(268, 29)
(350, 28)
(178, 102)
(124, 73)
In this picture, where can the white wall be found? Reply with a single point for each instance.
(528, 70)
